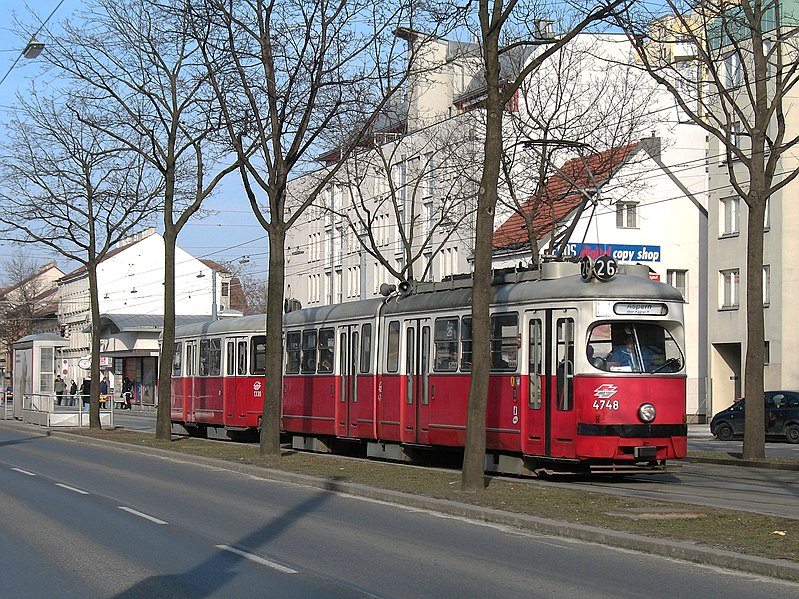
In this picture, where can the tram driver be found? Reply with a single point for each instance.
(629, 356)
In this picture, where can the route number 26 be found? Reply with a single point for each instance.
(604, 268)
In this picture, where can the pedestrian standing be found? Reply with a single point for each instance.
(60, 390)
(73, 390)
(86, 393)
(127, 390)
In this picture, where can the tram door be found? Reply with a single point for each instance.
(192, 387)
(235, 386)
(550, 420)
(347, 406)
(416, 400)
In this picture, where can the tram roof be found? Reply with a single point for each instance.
(344, 311)
(621, 287)
(255, 323)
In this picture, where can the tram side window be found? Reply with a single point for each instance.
(293, 352)
(215, 357)
(258, 358)
(446, 341)
(177, 359)
(536, 364)
(230, 358)
(191, 349)
(565, 360)
(466, 344)
(392, 351)
(241, 368)
(308, 365)
(327, 338)
(504, 341)
(366, 347)
(202, 370)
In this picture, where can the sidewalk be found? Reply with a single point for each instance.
(699, 431)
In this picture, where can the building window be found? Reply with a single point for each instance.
(429, 177)
(626, 215)
(766, 353)
(736, 134)
(766, 286)
(730, 281)
(679, 280)
(731, 216)
(225, 289)
(399, 174)
(448, 262)
(733, 73)
(767, 217)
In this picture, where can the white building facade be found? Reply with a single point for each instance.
(131, 295)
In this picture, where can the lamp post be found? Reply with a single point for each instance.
(213, 291)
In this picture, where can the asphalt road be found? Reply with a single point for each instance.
(83, 521)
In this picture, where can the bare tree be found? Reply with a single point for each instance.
(502, 28)
(70, 188)
(299, 75)
(734, 76)
(18, 303)
(570, 116)
(143, 78)
(418, 188)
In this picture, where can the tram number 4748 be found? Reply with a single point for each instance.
(606, 404)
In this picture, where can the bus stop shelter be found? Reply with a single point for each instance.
(35, 368)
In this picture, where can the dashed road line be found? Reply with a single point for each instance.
(142, 515)
(258, 559)
(24, 471)
(73, 489)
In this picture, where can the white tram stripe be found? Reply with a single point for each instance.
(142, 515)
(257, 559)
(73, 489)
(24, 471)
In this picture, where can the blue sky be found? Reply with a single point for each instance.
(227, 233)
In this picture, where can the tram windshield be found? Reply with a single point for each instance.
(633, 347)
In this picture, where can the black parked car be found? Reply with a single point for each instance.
(782, 417)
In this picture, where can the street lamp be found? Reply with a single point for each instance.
(32, 50)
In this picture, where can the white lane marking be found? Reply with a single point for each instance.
(142, 515)
(24, 471)
(258, 559)
(73, 489)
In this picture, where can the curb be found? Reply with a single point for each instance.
(744, 463)
(682, 550)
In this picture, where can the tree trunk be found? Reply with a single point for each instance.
(273, 380)
(473, 475)
(163, 428)
(94, 302)
(754, 428)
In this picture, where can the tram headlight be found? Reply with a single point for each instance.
(646, 412)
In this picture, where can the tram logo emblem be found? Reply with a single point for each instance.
(605, 391)
(256, 389)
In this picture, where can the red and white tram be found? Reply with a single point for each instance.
(586, 373)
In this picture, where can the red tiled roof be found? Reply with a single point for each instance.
(561, 194)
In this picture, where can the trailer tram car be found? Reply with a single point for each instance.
(587, 374)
